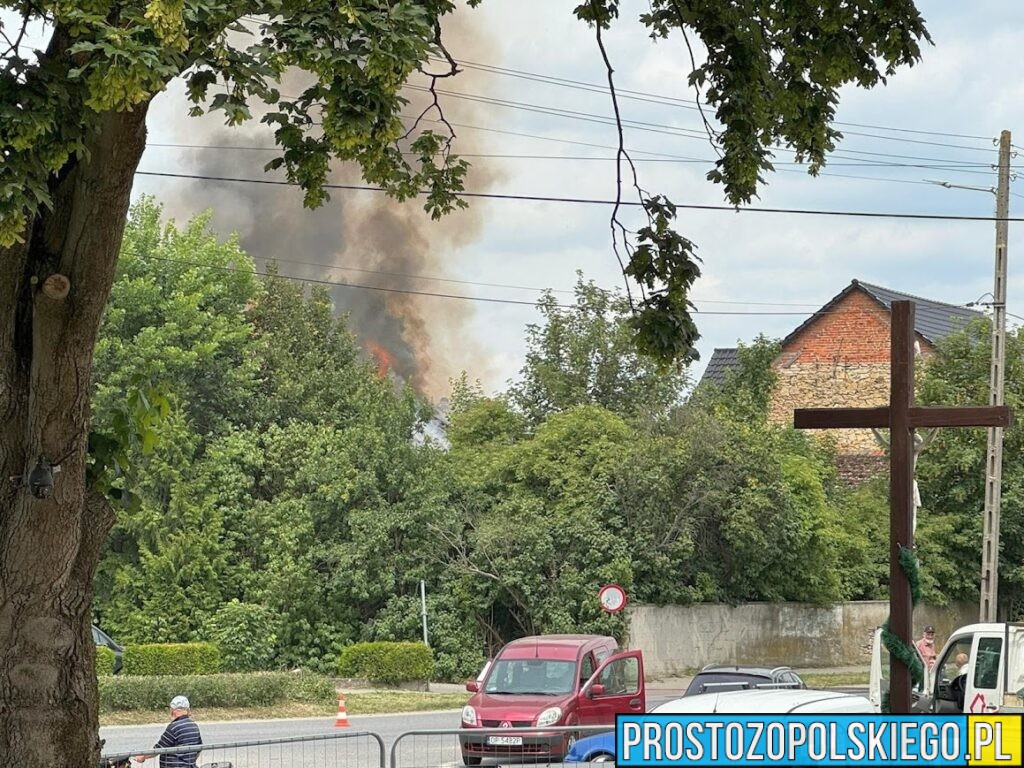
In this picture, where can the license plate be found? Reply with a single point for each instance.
(505, 741)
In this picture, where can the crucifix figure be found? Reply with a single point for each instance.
(901, 417)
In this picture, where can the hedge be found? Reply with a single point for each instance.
(387, 663)
(122, 693)
(105, 661)
(171, 659)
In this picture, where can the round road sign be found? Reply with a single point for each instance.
(612, 598)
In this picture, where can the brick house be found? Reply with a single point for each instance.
(839, 357)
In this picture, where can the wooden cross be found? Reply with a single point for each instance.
(901, 417)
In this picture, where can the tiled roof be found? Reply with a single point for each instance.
(722, 360)
(934, 320)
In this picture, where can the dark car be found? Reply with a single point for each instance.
(717, 678)
(102, 638)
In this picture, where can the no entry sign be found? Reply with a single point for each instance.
(612, 598)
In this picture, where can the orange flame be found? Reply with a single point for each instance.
(382, 356)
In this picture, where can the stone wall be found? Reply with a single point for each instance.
(840, 360)
(833, 385)
(678, 638)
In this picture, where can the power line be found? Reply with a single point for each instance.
(359, 286)
(586, 117)
(412, 276)
(607, 158)
(685, 103)
(538, 289)
(952, 164)
(693, 103)
(682, 131)
(708, 161)
(595, 201)
(486, 299)
(660, 128)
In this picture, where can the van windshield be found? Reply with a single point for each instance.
(544, 677)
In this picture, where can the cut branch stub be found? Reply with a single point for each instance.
(57, 287)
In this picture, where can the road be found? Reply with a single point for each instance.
(354, 752)
(351, 751)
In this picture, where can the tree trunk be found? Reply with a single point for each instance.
(49, 547)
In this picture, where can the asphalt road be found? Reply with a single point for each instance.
(341, 747)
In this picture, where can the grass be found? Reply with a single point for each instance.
(371, 703)
(835, 679)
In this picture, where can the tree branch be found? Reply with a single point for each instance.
(713, 135)
(435, 104)
(620, 155)
(15, 45)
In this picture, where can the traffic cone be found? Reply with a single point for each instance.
(342, 720)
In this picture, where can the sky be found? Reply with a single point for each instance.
(768, 270)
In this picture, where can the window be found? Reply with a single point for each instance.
(954, 663)
(587, 668)
(621, 677)
(790, 679)
(952, 670)
(986, 669)
(719, 682)
(540, 676)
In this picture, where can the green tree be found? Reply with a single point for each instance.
(951, 473)
(72, 132)
(177, 314)
(538, 530)
(747, 391)
(586, 356)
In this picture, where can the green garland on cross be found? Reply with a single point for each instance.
(894, 644)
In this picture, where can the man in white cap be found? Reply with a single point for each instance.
(180, 732)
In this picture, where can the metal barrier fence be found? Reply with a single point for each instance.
(452, 748)
(355, 749)
(436, 748)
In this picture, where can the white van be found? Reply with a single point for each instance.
(776, 702)
(991, 680)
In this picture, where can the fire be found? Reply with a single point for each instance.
(382, 356)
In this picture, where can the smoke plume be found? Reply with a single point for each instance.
(409, 335)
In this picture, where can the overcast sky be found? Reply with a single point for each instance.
(968, 83)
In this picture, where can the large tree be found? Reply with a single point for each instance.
(72, 131)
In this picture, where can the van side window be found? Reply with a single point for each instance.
(587, 668)
(602, 654)
(986, 670)
(621, 677)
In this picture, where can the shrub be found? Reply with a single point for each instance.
(246, 635)
(121, 693)
(387, 663)
(454, 641)
(171, 659)
(105, 660)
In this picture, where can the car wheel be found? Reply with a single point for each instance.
(604, 757)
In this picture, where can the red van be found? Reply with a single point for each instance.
(550, 680)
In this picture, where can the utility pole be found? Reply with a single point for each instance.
(994, 460)
(423, 608)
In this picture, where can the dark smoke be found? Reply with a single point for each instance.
(355, 229)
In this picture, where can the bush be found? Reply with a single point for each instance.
(121, 693)
(171, 659)
(105, 660)
(246, 635)
(388, 663)
(454, 640)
